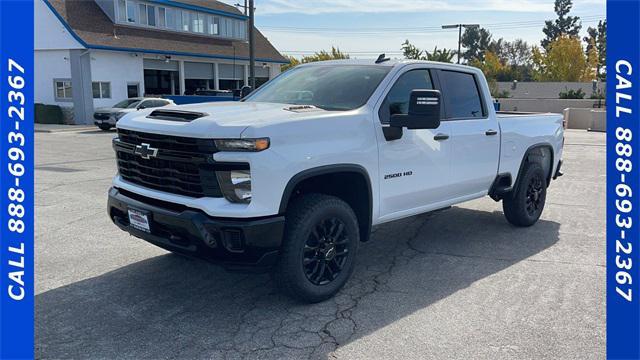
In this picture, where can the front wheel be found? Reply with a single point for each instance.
(319, 248)
(524, 206)
(104, 127)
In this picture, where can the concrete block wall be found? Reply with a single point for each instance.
(546, 105)
(586, 119)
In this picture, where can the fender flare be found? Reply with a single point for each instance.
(326, 170)
(529, 151)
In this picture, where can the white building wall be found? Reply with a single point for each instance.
(50, 65)
(275, 70)
(118, 68)
(49, 33)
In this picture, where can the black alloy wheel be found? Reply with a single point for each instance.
(319, 247)
(524, 205)
(325, 251)
(534, 199)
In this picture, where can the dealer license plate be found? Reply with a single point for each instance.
(139, 220)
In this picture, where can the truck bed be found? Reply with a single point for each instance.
(506, 114)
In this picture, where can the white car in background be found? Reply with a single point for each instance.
(106, 118)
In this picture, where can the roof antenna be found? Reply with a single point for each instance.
(382, 59)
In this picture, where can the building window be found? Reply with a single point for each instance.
(101, 90)
(133, 89)
(151, 15)
(162, 17)
(197, 22)
(185, 21)
(62, 89)
(122, 10)
(131, 12)
(177, 19)
(143, 14)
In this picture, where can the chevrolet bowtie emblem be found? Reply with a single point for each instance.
(145, 151)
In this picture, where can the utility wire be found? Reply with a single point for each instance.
(408, 30)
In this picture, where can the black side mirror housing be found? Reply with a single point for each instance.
(424, 111)
(245, 91)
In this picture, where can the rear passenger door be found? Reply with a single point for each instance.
(475, 136)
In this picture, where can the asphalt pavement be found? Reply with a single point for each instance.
(455, 284)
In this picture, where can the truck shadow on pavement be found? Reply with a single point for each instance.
(173, 307)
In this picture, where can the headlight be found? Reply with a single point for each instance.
(119, 115)
(235, 185)
(242, 144)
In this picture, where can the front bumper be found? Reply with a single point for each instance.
(233, 243)
(104, 120)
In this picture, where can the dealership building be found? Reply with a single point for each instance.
(94, 53)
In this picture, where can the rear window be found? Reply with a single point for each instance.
(461, 95)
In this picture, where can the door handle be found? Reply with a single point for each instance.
(491, 132)
(440, 137)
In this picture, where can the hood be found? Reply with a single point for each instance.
(220, 120)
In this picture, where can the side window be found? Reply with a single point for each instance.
(461, 95)
(397, 100)
(145, 104)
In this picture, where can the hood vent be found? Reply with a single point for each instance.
(176, 115)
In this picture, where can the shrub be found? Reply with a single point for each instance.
(571, 94)
(48, 114)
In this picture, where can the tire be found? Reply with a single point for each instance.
(524, 206)
(105, 127)
(319, 248)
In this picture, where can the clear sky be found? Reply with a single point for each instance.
(367, 28)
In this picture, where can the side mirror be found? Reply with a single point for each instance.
(245, 91)
(424, 111)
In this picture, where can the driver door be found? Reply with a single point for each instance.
(414, 169)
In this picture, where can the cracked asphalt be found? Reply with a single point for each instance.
(455, 284)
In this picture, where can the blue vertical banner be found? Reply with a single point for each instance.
(16, 180)
(623, 180)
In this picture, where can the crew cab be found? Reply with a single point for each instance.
(293, 177)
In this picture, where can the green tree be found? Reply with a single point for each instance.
(322, 55)
(492, 68)
(442, 55)
(293, 62)
(564, 60)
(564, 25)
(476, 41)
(597, 38)
(410, 51)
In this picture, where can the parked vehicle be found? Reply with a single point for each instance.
(292, 178)
(106, 118)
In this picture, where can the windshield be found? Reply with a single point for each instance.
(127, 104)
(331, 87)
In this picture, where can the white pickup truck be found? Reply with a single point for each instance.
(293, 177)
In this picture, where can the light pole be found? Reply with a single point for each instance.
(459, 27)
(252, 55)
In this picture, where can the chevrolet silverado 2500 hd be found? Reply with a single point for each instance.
(293, 177)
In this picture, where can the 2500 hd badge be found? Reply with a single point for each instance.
(397, 175)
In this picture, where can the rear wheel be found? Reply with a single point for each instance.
(104, 127)
(524, 206)
(319, 248)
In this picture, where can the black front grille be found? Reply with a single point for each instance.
(101, 116)
(181, 166)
